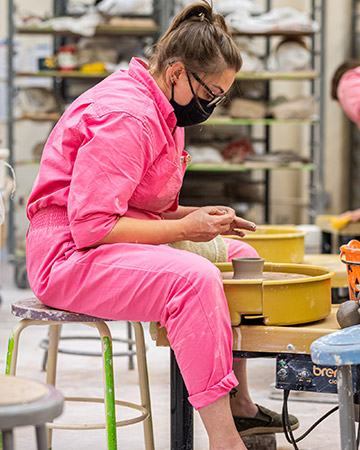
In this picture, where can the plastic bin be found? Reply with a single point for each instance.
(350, 255)
(277, 243)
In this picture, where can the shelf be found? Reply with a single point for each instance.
(231, 121)
(300, 75)
(126, 27)
(63, 74)
(274, 33)
(28, 163)
(268, 75)
(227, 167)
(40, 117)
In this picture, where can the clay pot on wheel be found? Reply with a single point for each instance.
(248, 268)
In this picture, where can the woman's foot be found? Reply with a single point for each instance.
(265, 421)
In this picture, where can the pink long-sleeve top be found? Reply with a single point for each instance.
(115, 152)
(348, 93)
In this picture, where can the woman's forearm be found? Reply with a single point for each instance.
(139, 231)
(181, 212)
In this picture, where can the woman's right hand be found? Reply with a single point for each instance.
(354, 215)
(204, 224)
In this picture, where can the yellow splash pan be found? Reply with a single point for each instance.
(277, 244)
(282, 301)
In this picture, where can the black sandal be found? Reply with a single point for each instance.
(265, 422)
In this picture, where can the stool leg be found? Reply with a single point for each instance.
(13, 346)
(109, 389)
(346, 407)
(54, 335)
(52, 352)
(7, 440)
(144, 384)
(41, 437)
(130, 346)
(46, 352)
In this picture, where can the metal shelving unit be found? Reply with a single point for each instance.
(315, 76)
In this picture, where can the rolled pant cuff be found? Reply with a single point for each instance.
(217, 391)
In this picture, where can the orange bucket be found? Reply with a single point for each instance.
(351, 251)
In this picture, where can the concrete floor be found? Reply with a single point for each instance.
(80, 375)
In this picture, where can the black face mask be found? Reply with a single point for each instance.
(193, 113)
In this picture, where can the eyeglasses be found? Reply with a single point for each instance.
(217, 99)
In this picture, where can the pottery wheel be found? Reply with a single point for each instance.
(268, 276)
(284, 276)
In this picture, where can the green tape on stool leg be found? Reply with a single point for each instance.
(9, 355)
(110, 394)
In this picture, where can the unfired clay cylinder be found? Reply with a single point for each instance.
(248, 268)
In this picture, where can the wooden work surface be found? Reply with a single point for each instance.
(274, 339)
(333, 262)
(283, 339)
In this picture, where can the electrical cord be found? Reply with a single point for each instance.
(286, 423)
(358, 431)
(287, 427)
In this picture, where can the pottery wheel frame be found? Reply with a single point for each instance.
(280, 302)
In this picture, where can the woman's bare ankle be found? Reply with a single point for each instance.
(220, 426)
(241, 406)
(229, 444)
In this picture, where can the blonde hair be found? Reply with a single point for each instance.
(200, 39)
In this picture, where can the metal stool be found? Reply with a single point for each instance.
(33, 312)
(26, 402)
(130, 352)
(341, 349)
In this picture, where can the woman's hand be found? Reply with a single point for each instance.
(353, 215)
(206, 223)
(237, 224)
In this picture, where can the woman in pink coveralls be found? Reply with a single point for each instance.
(106, 199)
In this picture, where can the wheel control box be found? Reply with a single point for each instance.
(298, 373)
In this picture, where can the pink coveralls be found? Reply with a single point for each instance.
(116, 152)
(348, 93)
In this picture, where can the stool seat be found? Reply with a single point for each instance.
(337, 349)
(32, 308)
(26, 402)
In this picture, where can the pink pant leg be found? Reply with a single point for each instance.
(181, 290)
(239, 249)
(198, 325)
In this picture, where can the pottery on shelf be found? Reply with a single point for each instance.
(248, 268)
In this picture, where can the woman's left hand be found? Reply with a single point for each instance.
(238, 223)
